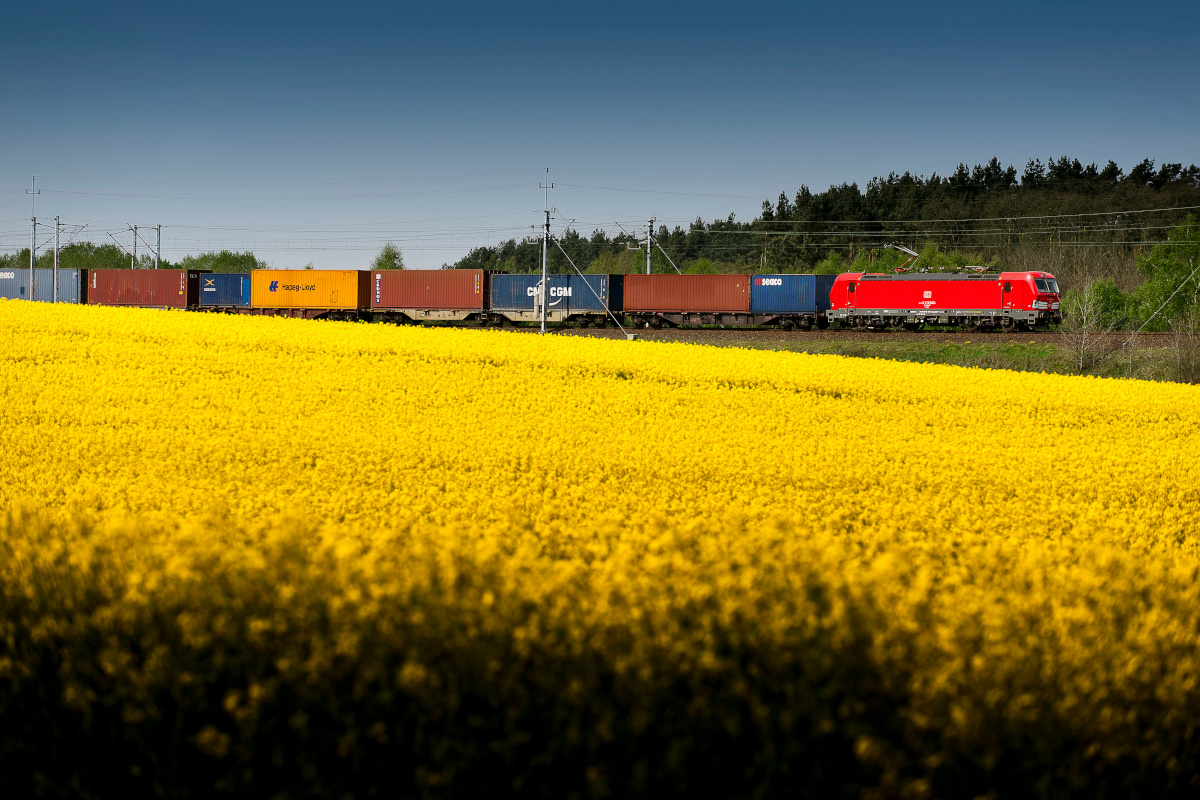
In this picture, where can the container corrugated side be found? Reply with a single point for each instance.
(782, 294)
(569, 293)
(430, 289)
(342, 289)
(14, 285)
(686, 293)
(225, 289)
(151, 288)
(824, 287)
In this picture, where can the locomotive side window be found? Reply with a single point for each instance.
(1007, 286)
(850, 288)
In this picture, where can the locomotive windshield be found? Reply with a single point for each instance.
(1047, 285)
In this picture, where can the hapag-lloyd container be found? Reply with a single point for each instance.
(72, 287)
(427, 289)
(225, 290)
(570, 293)
(343, 289)
(147, 288)
(678, 293)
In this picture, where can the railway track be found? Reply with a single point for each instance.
(763, 337)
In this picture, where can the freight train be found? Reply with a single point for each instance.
(866, 301)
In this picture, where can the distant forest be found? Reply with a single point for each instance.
(1051, 215)
(1080, 222)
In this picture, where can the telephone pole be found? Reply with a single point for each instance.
(649, 245)
(57, 225)
(133, 258)
(32, 230)
(158, 252)
(545, 293)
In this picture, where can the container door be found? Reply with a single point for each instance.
(850, 295)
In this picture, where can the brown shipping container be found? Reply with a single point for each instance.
(310, 288)
(687, 292)
(152, 288)
(427, 289)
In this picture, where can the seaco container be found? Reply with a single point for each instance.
(427, 289)
(148, 288)
(687, 293)
(72, 287)
(225, 290)
(344, 289)
(783, 294)
(570, 293)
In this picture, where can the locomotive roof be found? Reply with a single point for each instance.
(930, 276)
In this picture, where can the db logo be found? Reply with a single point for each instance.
(768, 281)
(928, 294)
(274, 286)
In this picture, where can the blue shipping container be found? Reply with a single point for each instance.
(14, 285)
(224, 289)
(824, 287)
(784, 294)
(571, 293)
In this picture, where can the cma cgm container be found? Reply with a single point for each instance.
(586, 298)
(688, 299)
(449, 294)
(225, 290)
(72, 286)
(790, 300)
(310, 292)
(146, 288)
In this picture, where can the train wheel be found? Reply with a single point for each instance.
(787, 326)
(1008, 324)
(806, 324)
(898, 326)
(970, 326)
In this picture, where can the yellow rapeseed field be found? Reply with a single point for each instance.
(279, 556)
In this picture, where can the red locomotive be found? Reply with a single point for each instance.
(1006, 300)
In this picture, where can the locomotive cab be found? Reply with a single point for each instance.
(1042, 296)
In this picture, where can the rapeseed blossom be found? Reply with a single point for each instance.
(945, 578)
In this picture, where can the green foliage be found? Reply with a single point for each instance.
(77, 255)
(832, 265)
(1172, 280)
(389, 257)
(224, 261)
(701, 266)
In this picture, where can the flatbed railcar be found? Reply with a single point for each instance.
(1006, 300)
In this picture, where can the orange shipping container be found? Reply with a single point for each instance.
(348, 289)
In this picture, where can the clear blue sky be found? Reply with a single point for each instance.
(315, 132)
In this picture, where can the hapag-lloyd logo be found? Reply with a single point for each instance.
(274, 285)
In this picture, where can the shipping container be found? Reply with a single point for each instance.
(72, 288)
(687, 293)
(824, 287)
(783, 294)
(146, 288)
(333, 289)
(225, 290)
(428, 289)
(569, 294)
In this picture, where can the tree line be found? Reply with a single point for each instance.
(989, 212)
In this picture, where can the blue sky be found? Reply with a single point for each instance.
(313, 133)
